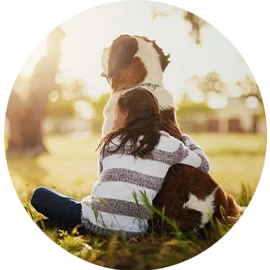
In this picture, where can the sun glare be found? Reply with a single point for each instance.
(88, 33)
(194, 93)
(33, 58)
(252, 102)
(83, 109)
(216, 101)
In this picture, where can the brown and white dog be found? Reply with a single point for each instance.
(188, 195)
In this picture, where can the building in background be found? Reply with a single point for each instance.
(237, 117)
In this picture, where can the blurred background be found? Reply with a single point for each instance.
(54, 114)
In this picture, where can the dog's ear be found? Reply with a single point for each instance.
(121, 54)
(164, 59)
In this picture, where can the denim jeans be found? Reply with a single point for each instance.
(57, 207)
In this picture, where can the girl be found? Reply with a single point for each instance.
(133, 161)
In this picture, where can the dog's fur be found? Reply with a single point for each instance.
(188, 195)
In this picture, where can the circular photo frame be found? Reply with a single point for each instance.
(129, 142)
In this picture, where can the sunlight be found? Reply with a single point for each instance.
(252, 102)
(89, 32)
(216, 101)
(194, 93)
(84, 109)
(67, 94)
(31, 61)
(53, 96)
(234, 91)
(196, 96)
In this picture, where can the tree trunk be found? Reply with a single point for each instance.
(25, 127)
(14, 114)
(16, 139)
(26, 117)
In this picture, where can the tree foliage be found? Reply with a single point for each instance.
(251, 89)
(61, 109)
(212, 82)
(196, 25)
(196, 22)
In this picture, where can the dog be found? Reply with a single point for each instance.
(188, 196)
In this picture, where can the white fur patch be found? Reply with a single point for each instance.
(206, 206)
(150, 58)
(108, 114)
(164, 97)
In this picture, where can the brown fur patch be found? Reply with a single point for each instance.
(164, 59)
(134, 73)
(121, 54)
(179, 182)
(169, 123)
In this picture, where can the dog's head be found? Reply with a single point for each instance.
(132, 60)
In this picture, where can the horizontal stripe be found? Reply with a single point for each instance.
(195, 148)
(166, 143)
(148, 167)
(156, 155)
(100, 166)
(187, 140)
(205, 164)
(180, 154)
(113, 222)
(132, 177)
(98, 230)
(168, 158)
(192, 159)
(122, 191)
(192, 145)
(120, 207)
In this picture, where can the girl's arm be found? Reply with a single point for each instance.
(188, 142)
(192, 154)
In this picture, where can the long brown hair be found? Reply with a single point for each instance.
(142, 124)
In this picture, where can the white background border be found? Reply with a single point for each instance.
(22, 21)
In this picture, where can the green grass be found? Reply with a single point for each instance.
(71, 168)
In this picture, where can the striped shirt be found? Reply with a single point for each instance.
(117, 200)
